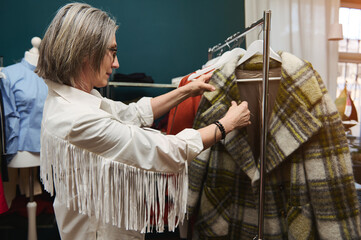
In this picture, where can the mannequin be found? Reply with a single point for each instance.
(32, 55)
(26, 93)
(24, 158)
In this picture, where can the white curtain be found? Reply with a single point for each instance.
(301, 27)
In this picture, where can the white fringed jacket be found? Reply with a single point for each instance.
(100, 158)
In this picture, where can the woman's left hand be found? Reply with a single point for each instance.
(200, 85)
(163, 103)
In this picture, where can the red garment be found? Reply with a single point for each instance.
(182, 116)
(3, 205)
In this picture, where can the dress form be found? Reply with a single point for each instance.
(29, 160)
(23, 158)
(32, 55)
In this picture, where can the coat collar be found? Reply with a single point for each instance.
(292, 122)
(294, 118)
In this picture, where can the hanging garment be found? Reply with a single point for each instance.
(182, 116)
(3, 204)
(3, 164)
(24, 94)
(309, 184)
(132, 77)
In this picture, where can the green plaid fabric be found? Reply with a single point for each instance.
(310, 191)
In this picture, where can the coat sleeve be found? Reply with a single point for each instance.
(330, 179)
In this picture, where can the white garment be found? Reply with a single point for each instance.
(96, 150)
(73, 225)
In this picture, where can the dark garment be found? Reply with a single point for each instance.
(133, 77)
(3, 162)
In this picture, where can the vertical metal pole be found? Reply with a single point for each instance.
(264, 122)
(31, 184)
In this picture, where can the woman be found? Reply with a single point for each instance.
(110, 171)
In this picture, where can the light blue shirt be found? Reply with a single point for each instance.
(24, 94)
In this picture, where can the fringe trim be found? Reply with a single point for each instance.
(113, 192)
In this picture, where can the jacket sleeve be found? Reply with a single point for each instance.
(144, 148)
(138, 113)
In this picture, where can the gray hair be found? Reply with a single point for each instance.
(77, 32)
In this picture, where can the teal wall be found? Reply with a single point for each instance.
(162, 38)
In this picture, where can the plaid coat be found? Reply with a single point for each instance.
(310, 189)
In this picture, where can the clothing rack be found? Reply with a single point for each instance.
(263, 154)
(134, 84)
(237, 37)
(266, 22)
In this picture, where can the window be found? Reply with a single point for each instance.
(349, 66)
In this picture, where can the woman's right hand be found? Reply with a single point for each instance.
(237, 116)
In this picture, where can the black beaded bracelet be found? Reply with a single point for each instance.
(221, 128)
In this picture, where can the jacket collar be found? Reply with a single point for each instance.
(74, 95)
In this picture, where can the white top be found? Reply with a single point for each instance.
(99, 150)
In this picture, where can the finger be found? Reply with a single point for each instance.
(206, 77)
(245, 103)
(208, 87)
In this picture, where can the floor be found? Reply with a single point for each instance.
(52, 233)
(163, 236)
(14, 223)
(14, 227)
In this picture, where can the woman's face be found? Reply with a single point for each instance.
(90, 79)
(110, 62)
